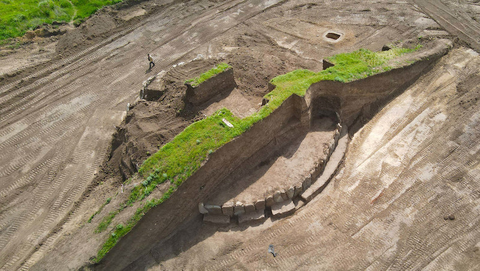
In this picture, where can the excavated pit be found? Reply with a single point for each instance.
(333, 36)
(254, 174)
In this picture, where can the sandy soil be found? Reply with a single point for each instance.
(57, 119)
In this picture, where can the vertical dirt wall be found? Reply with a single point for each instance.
(366, 96)
(220, 83)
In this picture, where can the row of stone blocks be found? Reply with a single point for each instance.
(281, 202)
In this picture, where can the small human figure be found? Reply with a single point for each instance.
(150, 59)
(271, 250)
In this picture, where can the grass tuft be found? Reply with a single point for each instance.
(99, 210)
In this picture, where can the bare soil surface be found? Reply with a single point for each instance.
(460, 18)
(58, 164)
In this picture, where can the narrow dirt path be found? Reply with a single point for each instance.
(74, 13)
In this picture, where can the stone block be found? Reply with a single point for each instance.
(299, 204)
(250, 217)
(249, 208)
(283, 208)
(269, 201)
(260, 204)
(227, 208)
(284, 195)
(298, 189)
(307, 183)
(239, 209)
(213, 209)
(201, 208)
(216, 219)
(277, 196)
(291, 192)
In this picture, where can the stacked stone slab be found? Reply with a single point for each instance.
(281, 201)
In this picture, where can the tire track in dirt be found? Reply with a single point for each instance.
(45, 191)
(49, 240)
(33, 204)
(455, 21)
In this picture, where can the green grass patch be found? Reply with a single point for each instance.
(183, 156)
(207, 75)
(99, 210)
(106, 221)
(19, 16)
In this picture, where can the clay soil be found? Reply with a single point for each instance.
(67, 141)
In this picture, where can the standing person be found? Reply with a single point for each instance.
(150, 59)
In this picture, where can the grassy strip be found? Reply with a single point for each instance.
(207, 75)
(180, 158)
(99, 210)
(19, 16)
(107, 220)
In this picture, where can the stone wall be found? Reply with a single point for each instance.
(235, 209)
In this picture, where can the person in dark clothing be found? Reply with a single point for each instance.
(150, 59)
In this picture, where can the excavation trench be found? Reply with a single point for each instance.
(289, 149)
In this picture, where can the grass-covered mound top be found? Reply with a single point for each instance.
(207, 75)
(183, 156)
(19, 16)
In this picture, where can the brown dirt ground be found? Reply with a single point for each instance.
(58, 164)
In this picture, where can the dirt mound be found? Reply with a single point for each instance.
(98, 27)
(148, 126)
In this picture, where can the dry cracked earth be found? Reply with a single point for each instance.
(405, 198)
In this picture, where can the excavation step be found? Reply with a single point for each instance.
(330, 168)
(250, 217)
(216, 219)
(283, 208)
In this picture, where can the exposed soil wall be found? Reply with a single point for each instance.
(220, 83)
(363, 98)
(164, 219)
